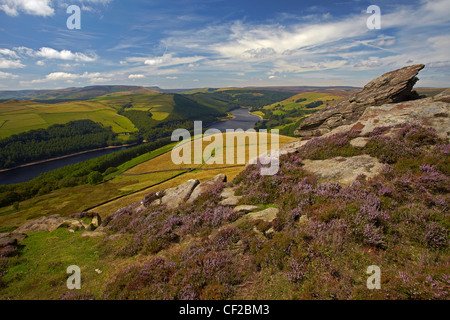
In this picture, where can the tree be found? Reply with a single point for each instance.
(95, 177)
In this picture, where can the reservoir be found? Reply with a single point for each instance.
(242, 120)
(29, 172)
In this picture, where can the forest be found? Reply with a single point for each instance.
(56, 140)
(75, 174)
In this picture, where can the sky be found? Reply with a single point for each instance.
(220, 43)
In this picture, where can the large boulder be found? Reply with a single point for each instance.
(173, 197)
(267, 215)
(229, 198)
(392, 87)
(343, 170)
(431, 112)
(206, 186)
(51, 223)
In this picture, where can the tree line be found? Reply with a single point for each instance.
(75, 174)
(54, 141)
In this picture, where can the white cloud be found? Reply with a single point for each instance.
(70, 77)
(42, 8)
(136, 76)
(153, 62)
(306, 66)
(165, 60)
(172, 78)
(6, 75)
(8, 52)
(10, 64)
(50, 53)
(33, 7)
(40, 63)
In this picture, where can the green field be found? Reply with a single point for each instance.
(21, 116)
(291, 103)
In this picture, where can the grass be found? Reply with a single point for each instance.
(21, 116)
(39, 272)
(291, 103)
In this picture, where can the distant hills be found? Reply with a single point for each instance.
(91, 92)
(84, 93)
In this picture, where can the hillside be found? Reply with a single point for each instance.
(84, 93)
(371, 192)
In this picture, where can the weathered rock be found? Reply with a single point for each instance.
(359, 142)
(245, 208)
(428, 112)
(444, 96)
(205, 186)
(343, 170)
(292, 146)
(92, 234)
(7, 241)
(18, 236)
(391, 87)
(303, 219)
(96, 220)
(231, 201)
(173, 197)
(50, 223)
(229, 198)
(11, 239)
(267, 215)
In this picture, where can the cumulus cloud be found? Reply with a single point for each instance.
(69, 77)
(165, 60)
(33, 7)
(8, 52)
(50, 53)
(43, 8)
(136, 76)
(10, 64)
(6, 75)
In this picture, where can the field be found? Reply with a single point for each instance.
(20, 116)
(131, 182)
(290, 103)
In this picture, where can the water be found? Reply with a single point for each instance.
(242, 120)
(27, 173)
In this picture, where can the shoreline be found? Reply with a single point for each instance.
(66, 156)
(260, 117)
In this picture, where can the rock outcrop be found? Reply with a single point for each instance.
(392, 87)
(343, 170)
(173, 197)
(229, 198)
(53, 222)
(186, 192)
(431, 112)
(206, 186)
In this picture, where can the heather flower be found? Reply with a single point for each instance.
(436, 236)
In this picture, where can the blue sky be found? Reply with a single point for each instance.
(189, 44)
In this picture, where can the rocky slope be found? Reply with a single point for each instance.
(371, 189)
(392, 87)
